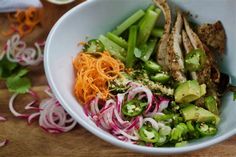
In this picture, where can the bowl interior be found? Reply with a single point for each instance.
(93, 18)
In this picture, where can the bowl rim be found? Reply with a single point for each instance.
(60, 2)
(95, 130)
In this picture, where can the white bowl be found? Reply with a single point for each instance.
(95, 17)
(60, 2)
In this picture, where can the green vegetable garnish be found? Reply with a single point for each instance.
(195, 60)
(133, 108)
(206, 129)
(147, 25)
(211, 104)
(161, 77)
(152, 66)
(199, 114)
(149, 134)
(130, 59)
(14, 75)
(6, 68)
(148, 49)
(94, 46)
(118, 40)
(162, 140)
(129, 22)
(181, 144)
(18, 83)
(180, 130)
(164, 117)
(157, 32)
(190, 126)
(189, 91)
(114, 49)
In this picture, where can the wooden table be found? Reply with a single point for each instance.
(31, 141)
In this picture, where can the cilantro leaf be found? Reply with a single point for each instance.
(22, 72)
(7, 68)
(18, 83)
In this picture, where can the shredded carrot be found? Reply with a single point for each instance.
(23, 21)
(93, 75)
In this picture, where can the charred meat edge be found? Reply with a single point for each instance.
(213, 35)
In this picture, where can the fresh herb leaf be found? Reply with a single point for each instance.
(6, 68)
(18, 83)
(22, 72)
(137, 53)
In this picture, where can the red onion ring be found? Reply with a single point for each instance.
(12, 109)
(17, 51)
(154, 123)
(3, 143)
(111, 119)
(163, 105)
(149, 113)
(119, 100)
(52, 117)
(2, 118)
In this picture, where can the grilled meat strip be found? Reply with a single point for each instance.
(175, 54)
(162, 57)
(213, 35)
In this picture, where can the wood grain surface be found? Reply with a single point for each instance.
(31, 141)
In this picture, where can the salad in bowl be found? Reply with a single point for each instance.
(149, 76)
(153, 85)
